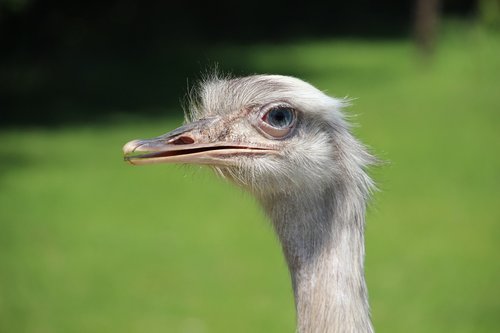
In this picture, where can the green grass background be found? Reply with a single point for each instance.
(90, 244)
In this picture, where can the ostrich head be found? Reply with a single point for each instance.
(270, 134)
(289, 144)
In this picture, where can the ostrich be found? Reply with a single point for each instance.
(288, 144)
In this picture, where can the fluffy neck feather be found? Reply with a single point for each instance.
(322, 239)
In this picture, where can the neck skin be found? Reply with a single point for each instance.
(322, 236)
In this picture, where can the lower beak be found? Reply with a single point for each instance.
(188, 145)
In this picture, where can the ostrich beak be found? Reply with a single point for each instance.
(191, 144)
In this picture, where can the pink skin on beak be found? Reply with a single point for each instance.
(188, 145)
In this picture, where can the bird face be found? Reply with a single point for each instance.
(219, 141)
(264, 132)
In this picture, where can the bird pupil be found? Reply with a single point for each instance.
(280, 117)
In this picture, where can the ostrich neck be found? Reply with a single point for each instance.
(323, 243)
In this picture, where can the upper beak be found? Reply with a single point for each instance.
(190, 144)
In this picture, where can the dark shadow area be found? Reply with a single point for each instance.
(80, 61)
(13, 160)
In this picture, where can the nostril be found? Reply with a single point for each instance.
(183, 140)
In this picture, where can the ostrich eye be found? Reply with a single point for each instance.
(277, 121)
(279, 117)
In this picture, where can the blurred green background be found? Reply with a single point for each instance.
(90, 244)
